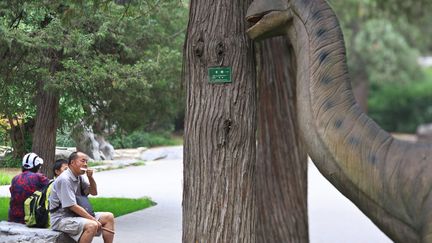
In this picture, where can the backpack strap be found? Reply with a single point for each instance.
(55, 209)
(81, 189)
(59, 206)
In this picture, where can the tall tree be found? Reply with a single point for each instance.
(90, 60)
(44, 137)
(281, 159)
(16, 89)
(219, 145)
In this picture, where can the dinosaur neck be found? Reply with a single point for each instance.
(349, 149)
(328, 108)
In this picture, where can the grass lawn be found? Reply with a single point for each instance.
(120, 206)
(5, 179)
(117, 206)
(6, 175)
(4, 207)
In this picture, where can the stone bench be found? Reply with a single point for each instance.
(424, 132)
(13, 232)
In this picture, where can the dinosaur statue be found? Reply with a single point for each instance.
(390, 180)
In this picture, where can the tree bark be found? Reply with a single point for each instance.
(17, 138)
(20, 133)
(281, 159)
(220, 126)
(44, 137)
(361, 92)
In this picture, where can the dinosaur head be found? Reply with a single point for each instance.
(268, 18)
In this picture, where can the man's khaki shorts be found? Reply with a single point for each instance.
(74, 226)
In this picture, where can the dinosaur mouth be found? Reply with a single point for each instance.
(256, 26)
(254, 19)
(266, 24)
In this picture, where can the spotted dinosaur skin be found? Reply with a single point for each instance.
(390, 180)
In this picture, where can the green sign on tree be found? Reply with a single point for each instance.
(219, 75)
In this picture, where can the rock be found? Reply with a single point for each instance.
(86, 142)
(134, 153)
(175, 152)
(4, 150)
(95, 146)
(424, 132)
(14, 232)
(425, 61)
(106, 149)
(63, 153)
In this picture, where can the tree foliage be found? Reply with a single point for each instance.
(411, 18)
(384, 39)
(403, 107)
(379, 46)
(119, 61)
(125, 66)
(385, 54)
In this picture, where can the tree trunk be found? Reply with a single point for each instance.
(281, 159)
(17, 138)
(220, 126)
(361, 92)
(19, 134)
(44, 137)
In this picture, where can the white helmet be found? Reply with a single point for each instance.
(31, 160)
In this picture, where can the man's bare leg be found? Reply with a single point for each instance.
(107, 221)
(90, 229)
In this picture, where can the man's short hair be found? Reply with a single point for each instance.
(73, 156)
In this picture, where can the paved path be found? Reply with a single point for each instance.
(333, 218)
(160, 180)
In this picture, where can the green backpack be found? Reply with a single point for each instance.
(36, 208)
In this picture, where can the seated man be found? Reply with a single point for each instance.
(24, 184)
(69, 217)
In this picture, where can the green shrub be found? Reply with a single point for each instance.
(383, 55)
(10, 162)
(402, 107)
(64, 139)
(4, 137)
(143, 139)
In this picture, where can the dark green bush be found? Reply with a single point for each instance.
(64, 139)
(402, 107)
(143, 139)
(384, 54)
(10, 162)
(4, 137)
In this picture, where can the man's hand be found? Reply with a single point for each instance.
(80, 211)
(99, 225)
(93, 186)
(89, 173)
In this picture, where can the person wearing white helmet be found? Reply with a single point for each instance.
(24, 184)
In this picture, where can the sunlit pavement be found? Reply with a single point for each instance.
(335, 219)
(162, 181)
